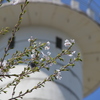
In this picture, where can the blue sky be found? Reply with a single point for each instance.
(94, 96)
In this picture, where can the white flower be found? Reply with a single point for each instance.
(41, 59)
(45, 56)
(66, 40)
(73, 52)
(48, 53)
(67, 44)
(48, 43)
(58, 74)
(47, 48)
(32, 55)
(31, 38)
(3, 63)
(72, 40)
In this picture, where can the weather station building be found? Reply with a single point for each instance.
(55, 21)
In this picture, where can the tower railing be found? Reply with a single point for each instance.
(89, 7)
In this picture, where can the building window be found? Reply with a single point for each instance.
(58, 43)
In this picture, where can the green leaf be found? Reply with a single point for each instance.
(64, 69)
(20, 92)
(20, 61)
(61, 59)
(5, 91)
(47, 68)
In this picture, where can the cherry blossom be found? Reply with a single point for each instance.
(41, 59)
(72, 40)
(30, 39)
(48, 43)
(45, 56)
(48, 53)
(73, 52)
(32, 55)
(67, 43)
(46, 47)
(58, 74)
(4, 63)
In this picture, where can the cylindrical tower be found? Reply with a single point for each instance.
(68, 88)
(49, 20)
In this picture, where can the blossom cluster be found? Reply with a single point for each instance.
(30, 39)
(47, 48)
(43, 54)
(46, 56)
(69, 43)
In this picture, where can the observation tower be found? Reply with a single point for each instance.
(54, 21)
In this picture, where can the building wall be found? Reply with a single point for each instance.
(69, 87)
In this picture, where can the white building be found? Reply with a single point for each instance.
(52, 20)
